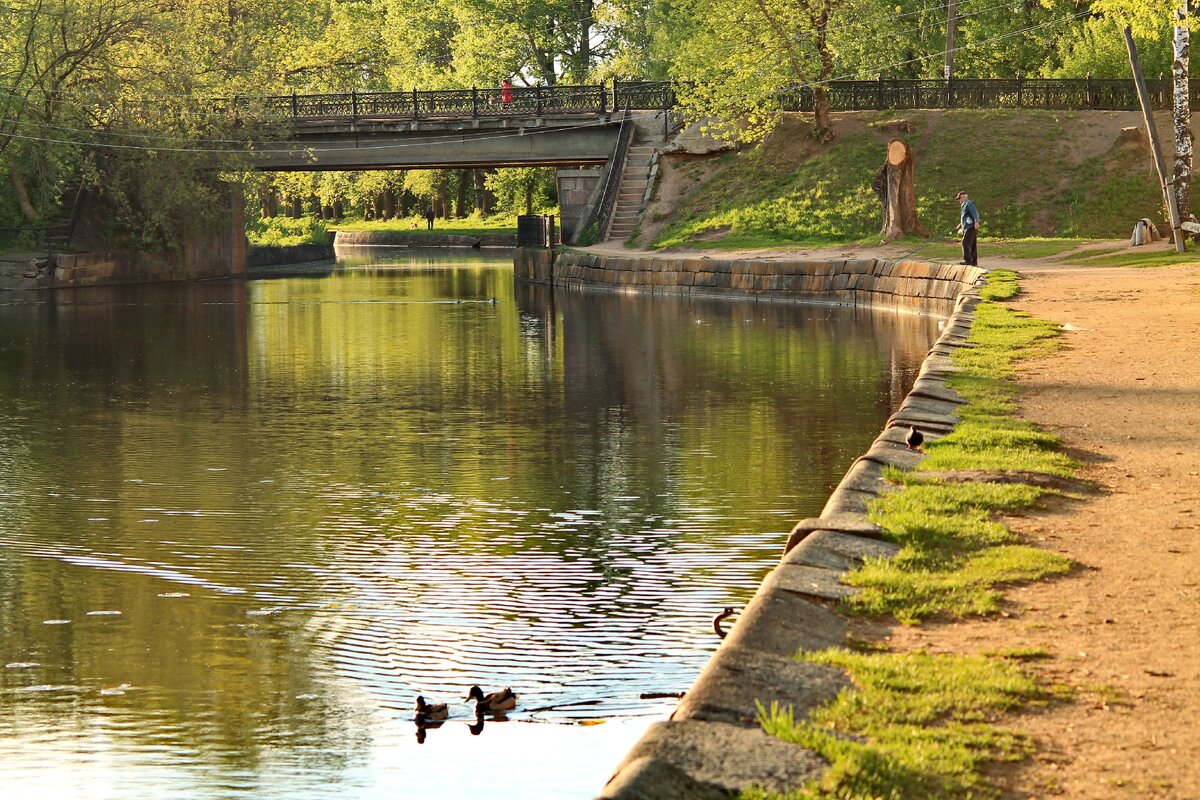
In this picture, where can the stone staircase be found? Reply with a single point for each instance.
(631, 194)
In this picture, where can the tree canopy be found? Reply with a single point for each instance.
(107, 90)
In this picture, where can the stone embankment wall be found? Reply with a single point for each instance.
(421, 239)
(873, 282)
(262, 256)
(713, 746)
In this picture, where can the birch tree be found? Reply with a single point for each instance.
(1146, 17)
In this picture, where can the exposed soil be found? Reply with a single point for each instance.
(1122, 630)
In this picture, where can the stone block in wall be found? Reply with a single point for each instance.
(782, 622)
(743, 281)
(759, 267)
(713, 756)
(860, 266)
(737, 679)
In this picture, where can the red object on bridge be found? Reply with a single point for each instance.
(505, 91)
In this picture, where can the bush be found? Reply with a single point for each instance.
(285, 231)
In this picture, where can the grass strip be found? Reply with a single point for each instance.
(919, 724)
(915, 725)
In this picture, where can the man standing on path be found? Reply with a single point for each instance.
(968, 226)
(429, 217)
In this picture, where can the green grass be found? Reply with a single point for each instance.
(954, 555)
(786, 193)
(1026, 248)
(916, 725)
(1137, 257)
(923, 725)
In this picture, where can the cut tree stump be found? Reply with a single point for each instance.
(895, 185)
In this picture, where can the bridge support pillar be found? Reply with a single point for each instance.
(578, 191)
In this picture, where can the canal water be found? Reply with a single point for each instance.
(243, 525)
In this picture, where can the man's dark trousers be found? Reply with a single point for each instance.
(970, 251)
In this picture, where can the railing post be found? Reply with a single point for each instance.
(603, 98)
(474, 101)
(353, 104)
(294, 114)
(537, 100)
(616, 100)
(949, 93)
(1090, 104)
(1020, 103)
(414, 102)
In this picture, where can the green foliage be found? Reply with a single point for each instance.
(284, 231)
(1098, 48)
(916, 725)
(524, 190)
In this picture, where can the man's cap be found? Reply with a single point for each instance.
(960, 194)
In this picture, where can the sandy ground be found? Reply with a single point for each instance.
(1121, 630)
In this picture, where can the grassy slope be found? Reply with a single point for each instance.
(1022, 168)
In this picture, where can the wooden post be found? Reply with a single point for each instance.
(1152, 134)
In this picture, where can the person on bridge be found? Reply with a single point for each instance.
(505, 91)
(968, 226)
(429, 216)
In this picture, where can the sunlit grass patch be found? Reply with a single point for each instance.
(998, 443)
(916, 725)
(1137, 257)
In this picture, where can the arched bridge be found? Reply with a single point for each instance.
(462, 128)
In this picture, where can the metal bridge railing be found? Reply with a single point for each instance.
(1116, 94)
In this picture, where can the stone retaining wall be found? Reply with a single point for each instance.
(872, 282)
(421, 239)
(713, 745)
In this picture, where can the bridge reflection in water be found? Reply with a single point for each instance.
(311, 499)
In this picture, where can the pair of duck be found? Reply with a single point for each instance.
(490, 703)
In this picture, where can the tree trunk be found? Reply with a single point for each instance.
(899, 194)
(824, 119)
(460, 206)
(270, 203)
(389, 204)
(1182, 173)
(18, 184)
(585, 41)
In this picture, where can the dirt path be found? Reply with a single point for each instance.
(1122, 630)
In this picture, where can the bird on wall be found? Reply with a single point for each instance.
(728, 611)
(492, 702)
(914, 439)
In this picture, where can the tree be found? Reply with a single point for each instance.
(1145, 17)
(745, 59)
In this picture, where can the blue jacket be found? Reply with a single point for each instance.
(969, 215)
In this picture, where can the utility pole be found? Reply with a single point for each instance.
(1152, 134)
(951, 25)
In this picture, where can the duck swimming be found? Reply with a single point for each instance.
(431, 711)
(492, 702)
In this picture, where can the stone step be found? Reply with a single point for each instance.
(642, 149)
